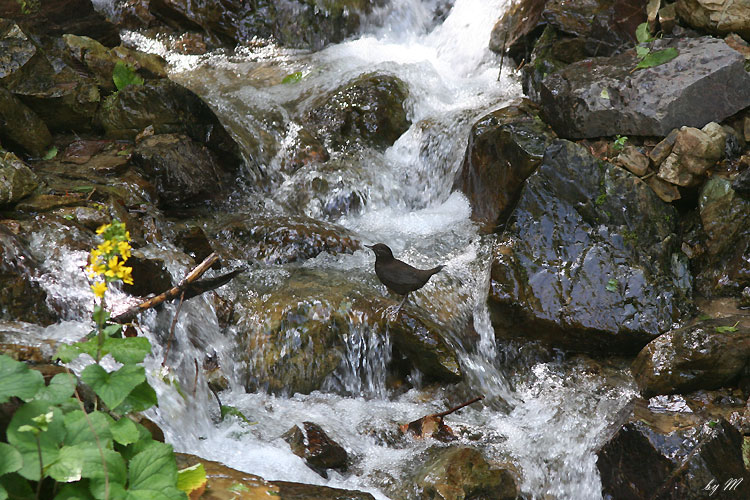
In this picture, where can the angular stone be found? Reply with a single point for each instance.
(633, 160)
(672, 171)
(698, 150)
(604, 96)
(16, 179)
(22, 128)
(319, 451)
(741, 184)
(504, 147)
(667, 18)
(663, 148)
(716, 16)
(588, 260)
(694, 357)
(664, 190)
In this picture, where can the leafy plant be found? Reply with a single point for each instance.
(727, 329)
(619, 143)
(647, 57)
(51, 153)
(292, 77)
(612, 285)
(124, 75)
(55, 447)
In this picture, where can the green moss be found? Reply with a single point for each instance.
(600, 199)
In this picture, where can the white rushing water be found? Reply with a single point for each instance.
(545, 414)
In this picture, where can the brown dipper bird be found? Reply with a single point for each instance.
(398, 276)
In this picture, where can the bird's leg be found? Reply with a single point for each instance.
(406, 296)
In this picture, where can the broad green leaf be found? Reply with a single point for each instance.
(101, 315)
(727, 329)
(51, 153)
(292, 77)
(231, 410)
(604, 94)
(191, 478)
(124, 431)
(642, 51)
(658, 57)
(74, 491)
(165, 494)
(3, 492)
(154, 468)
(81, 428)
(50, 440)
(60, 388)
(612, 285)
(68, 352)
(112, 330)
(642, 34)
(86, 460)
(17, 380)
(117, 491)
(10, 459)
(141, 398)
(19, 486)
(113, 387)
(129, 349)
(124, 75)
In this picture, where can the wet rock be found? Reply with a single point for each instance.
(281, 239)
(16, 179)
(369, 111)
(633, 160)
(170, 109)
(224, 483)
(45, 81)
(604, 96)
(666, 191)
(21, 298)
(307, 317)
(667, 18)
(720, 17)
(305, 150)
(600, 27)
(649, 457)
(184, 172)
(724, 268)
(459, 473)
(57, 17)
(706, 355)
(27, 342)
(741, 184)
(698, 150)
(193, 241)
(504, 147)
(150, 274)
(22, 128)
(589, 259)
(319, 451)
(660, 152)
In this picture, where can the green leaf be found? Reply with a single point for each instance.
(18, 485)
(101, 316)
(113, 387)
(141, 398)
(50, 440)
(641, 51)
(727, 329)
(292, 77)
(68, 352)
(85, 460)
(129, 349)
(10, 459)
(191, 478)
(154, 468)
(124, 75)
(51, 153)
(612, 285)
(124, 431)
(83, 189)
(231, 410)
(238, 488)
(60, 389)
(642, 34)
(3, 492)
(658, 57)
(74, 491)
(83, 428)
(18, 380)
(604, 94)
(112, 330)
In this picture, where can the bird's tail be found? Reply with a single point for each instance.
(436, 269)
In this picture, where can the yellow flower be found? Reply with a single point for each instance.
(124, 249)
(106, 247)
(103, 228)
(127, 235)
(113, 267)
(126, 276)
(99, 288)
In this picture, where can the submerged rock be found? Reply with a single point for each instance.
(706, 355)
(504, 148)
(368, 111)
(653, 457)
(319, 451)
(589, 259)
(604, 96)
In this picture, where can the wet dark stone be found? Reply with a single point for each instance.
(319, 451)
(694, 357)
(16, 179)
(184, 172)
(646, 460)
(368, 110)
(171, 109)
(21, 128)
(604, 96)
(504, 148)
(150, 275)
(588, 260)
(741, 184)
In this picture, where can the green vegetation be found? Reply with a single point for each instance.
(600, 199)
(727, 329)
(55, 447)
(51, 153)
(292, 77)
(619, 142)
(647, 57)
(124, 75)
(612, 285)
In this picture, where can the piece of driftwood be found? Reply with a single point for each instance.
(189, 286)
(433, 425)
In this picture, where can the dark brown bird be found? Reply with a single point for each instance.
(398, 276)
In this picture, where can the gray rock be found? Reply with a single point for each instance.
(16, 179)
(604, 96)
(588, 260)
(741, 184)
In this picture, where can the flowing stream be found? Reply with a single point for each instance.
(544, 412)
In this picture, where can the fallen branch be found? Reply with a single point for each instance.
(433, 426)
(189, 286)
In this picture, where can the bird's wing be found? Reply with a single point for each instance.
(407, 276)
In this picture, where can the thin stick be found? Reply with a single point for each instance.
(195, 380)
(171, 329)
(456, 408)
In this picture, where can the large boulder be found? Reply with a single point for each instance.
(589, 259)
(170, 109)
(720, 17)
(706, 355)
(603, 96)
(22, 128)
(368, 110)
(16, 179)
(505, 146)
(672, 455)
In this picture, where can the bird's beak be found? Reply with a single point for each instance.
(369, 246)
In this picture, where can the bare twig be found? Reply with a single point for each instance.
(456, 408)
(195, 380)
